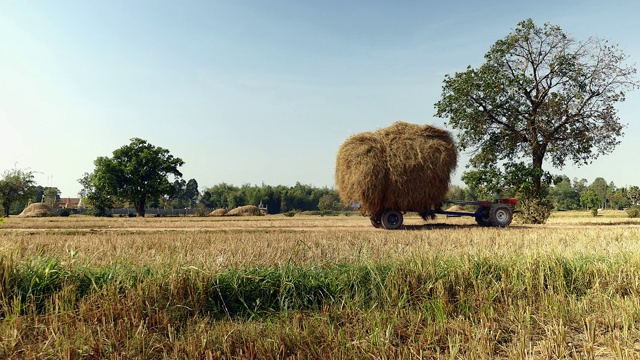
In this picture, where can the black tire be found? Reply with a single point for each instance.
(483, 218)
(375, 221)
(391, 219)
(501, 215)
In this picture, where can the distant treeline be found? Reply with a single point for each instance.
(566, 194)
(277, 199)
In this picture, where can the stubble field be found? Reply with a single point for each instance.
(275, 287)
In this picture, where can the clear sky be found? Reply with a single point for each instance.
(257, 91)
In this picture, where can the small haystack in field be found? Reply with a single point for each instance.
(457, 208)
(218, 212)
(247, 210)
(405, 166)
(37, 210)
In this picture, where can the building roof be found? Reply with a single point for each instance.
(68, 203)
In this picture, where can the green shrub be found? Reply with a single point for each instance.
(65, 212)
(534, 211)
(290, 213)
(633, 212)
(99, 212)
(325, 212)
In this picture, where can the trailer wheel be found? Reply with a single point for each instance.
(375, 221)
(501, 215)
(391, 219)
(483, 218)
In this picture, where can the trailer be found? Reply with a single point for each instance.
(487, 213)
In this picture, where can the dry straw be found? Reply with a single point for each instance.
(456, 208)
(218, 212)
(405, 166)
(37, 210)
(247, 210)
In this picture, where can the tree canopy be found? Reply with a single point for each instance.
(541, 96)
(16, 186)
(136, 173)
(98, 199)
(185, 194)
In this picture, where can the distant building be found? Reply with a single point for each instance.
(69, 203)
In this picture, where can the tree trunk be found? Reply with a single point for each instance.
(140, 210)
(537, 180)
(6, 207)
(538, 158)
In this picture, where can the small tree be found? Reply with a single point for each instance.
(590, 200)
(600, 187)
(634, 194)
(580, 185)
(455, 192)
(330, 202)
(619, 200)
(100, 203)
(51, 195)
(16, 186)
(191, 193)
(563, 195)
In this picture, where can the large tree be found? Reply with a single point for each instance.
(540, 97)
(16, 186)
(136, 173)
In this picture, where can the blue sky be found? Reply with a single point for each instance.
(257, 91)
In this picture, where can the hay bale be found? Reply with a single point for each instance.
(37, 210)
(247, 210)
(360, 169)
(457, 208)
(218, 212)
(405, 166)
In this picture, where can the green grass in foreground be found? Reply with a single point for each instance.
(445, 306)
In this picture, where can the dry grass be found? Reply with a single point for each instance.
(37, 210)
(448, 289)
(246, 210)
(218, 212)
(404, 166)
(239, 241)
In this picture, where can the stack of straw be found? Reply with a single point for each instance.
(406, 167)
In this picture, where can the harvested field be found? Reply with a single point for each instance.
(318, 287)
